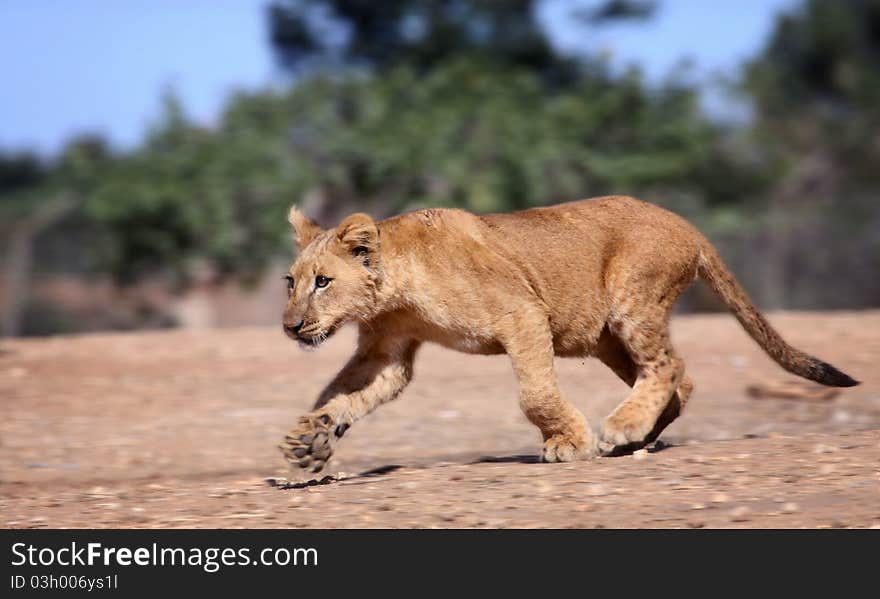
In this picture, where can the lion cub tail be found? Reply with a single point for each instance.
(713, 270)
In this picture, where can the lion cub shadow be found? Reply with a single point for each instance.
(624, 450)
(284, 484)
(507, 459)
(654, 447)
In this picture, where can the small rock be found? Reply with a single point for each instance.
(740, 514)
(720, 498)
(841, 416)
(640, 454)
(790, 507)
(597, 490)
(739, 362)
(698, 506)
(822, 448)
(543, 487)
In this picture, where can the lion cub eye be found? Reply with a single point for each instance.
(321, 281)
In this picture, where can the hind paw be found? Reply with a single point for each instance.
(568, 447)
(624, 432)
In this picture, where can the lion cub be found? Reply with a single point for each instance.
(587, 278)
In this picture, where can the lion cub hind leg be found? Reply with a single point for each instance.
(613, 354)
(659, 373)
(566, 432)
(673, 409)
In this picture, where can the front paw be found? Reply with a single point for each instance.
(310, 444)
(568, 447)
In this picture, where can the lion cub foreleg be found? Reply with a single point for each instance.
(567, 435)
(376, 374)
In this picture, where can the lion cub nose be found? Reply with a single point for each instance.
(294, 328)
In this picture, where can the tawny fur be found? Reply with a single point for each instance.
(588, 278)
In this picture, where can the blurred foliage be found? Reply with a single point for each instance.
(190, 196)
(411, 103)
(815, 89)
(816, 86)
(484, 139)
(421, 34)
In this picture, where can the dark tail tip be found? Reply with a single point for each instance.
(825, 373)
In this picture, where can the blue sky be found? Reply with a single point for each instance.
(74, 66)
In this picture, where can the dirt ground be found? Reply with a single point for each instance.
(179, 429)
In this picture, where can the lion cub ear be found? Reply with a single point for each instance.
(358, 233)
(304, 229)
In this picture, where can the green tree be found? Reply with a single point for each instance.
(816, 94)
(191, 195)
(425, 34)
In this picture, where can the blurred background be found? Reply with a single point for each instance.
(149, 150)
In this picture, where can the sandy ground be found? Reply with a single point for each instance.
(179, 429)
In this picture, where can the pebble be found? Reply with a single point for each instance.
(597, 490)
(740, 514)
(720, 498)
(822, 448)
(841, 416)
(790, 507)
(640, 454)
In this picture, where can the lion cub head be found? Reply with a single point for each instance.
(334, 278)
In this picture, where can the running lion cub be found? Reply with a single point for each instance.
(588, 278)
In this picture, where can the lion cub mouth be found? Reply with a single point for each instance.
(314, 339)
